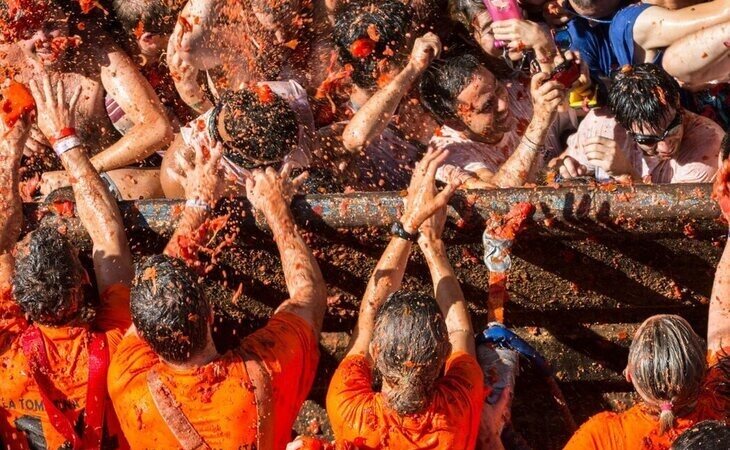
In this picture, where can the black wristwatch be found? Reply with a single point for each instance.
(397, 230)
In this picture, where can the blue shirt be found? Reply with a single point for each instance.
(621, 34)
(593, 42)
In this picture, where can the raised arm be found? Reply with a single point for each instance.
(373, 117)
(152, 130)
(718, 323)
(446, 286)
(422, 201)
(203, 184)
(95, 205)
(184, 75)
(12, 142)
(271, 193)
(546, 97)
(658, 27)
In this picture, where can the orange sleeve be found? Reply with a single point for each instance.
(349, 394)
(113, 313)
(595, 434)
(289, 350)
(12, 322)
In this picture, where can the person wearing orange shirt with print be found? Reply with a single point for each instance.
(432, 390)
(680, 381)
(169, 385)
(54, 365)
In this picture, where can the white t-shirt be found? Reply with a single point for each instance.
(696, 162)
(467, 156)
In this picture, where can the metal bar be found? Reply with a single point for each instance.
(585, 203)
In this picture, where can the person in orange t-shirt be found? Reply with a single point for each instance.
(679, 381)
(432, 391)
(169, 385)
(54, 364)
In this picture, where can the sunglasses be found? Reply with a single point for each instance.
(650, 140)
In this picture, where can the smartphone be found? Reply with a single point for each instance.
(15, 102)
(503, 10)
(566, 73)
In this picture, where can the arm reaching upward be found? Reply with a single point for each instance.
(12, 142)
(422, 201)
(546, 97)
(203, 185)
(446, 286)
(96, 206)
(372, 118)
(718, 322)
(271, 193)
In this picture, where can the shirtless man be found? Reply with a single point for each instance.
(32, 33)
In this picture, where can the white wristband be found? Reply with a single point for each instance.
(197, 203)
(68, 143)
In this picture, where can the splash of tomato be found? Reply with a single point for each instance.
(362, 47)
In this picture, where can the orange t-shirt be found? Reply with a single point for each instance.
(638, 429)
(21, 406)
(218, 398)
(450, 422)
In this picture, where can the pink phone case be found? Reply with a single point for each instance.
(502, 10)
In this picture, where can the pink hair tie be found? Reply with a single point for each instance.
(666, 406)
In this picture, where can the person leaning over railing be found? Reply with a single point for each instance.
(169, 385)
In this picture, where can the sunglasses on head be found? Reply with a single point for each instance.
(651, 140)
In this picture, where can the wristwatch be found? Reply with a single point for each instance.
(397, 230)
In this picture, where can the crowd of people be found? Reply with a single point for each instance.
(203, 100)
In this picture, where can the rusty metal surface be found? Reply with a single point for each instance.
(564, 206)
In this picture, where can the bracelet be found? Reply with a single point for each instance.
(397, 230)
(533, 146)
(68, 143)
(197, 203)
(64, 133)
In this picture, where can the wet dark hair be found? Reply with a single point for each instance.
(706, 435)
(391, 20)
(48, 278)
(155, 16)
(169, 308)
(410, 346)
(264, 131)
(643, 95)
(442, 83)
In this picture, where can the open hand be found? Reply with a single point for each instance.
(267, 187)
(54, 113)
(423, 198)
(203, 178)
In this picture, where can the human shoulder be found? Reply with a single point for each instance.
(132, 359)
